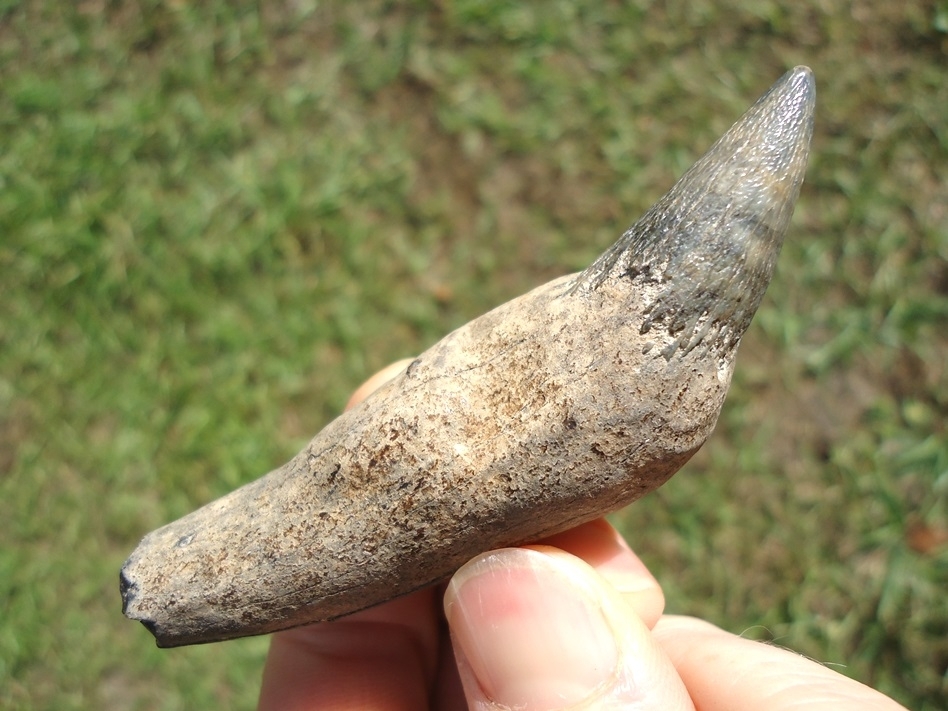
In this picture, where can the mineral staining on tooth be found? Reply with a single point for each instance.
(555, 408)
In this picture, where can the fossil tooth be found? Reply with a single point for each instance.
(554, 408)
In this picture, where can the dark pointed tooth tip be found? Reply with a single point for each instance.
(800, 84)
(802, 72)
(802, 77)
(715, 236)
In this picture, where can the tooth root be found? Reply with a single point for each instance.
(551, 410)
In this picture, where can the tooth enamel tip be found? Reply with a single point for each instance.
(704, 254)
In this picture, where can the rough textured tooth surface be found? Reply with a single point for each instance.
(555, 408)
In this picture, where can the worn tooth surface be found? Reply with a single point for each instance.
(555, 408)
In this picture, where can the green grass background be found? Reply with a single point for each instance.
(217, 218)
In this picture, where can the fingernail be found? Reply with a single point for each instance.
(534, 636)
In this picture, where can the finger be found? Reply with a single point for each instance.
(722, 670)
(603, 547)
(376, 381)
(383, 659)
(539, 629)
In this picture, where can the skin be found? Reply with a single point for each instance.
(484, 642)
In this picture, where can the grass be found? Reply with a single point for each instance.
(216, 220)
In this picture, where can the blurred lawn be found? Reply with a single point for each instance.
(215, 221)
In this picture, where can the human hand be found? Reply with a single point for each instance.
(573, 622)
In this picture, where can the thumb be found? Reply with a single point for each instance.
(537, 629)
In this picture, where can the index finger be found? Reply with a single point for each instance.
(724, 671)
